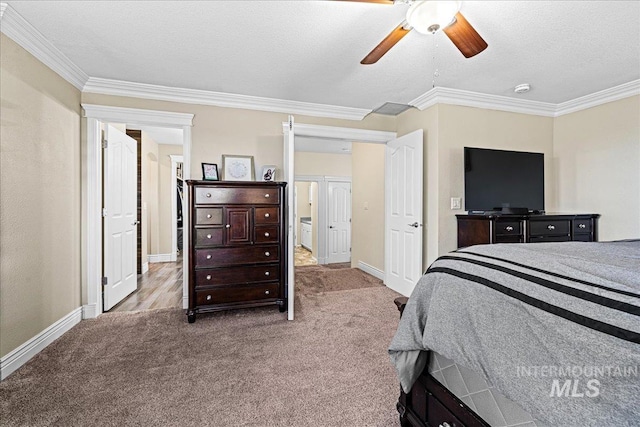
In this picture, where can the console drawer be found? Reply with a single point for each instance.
(550, 228)
(228, 195)
(234, 294)
(582, 226)
(222, 257)
(508, 228)
(236, 275)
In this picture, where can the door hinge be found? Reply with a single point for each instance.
(104, 212)
(104, 281)
(105, 143)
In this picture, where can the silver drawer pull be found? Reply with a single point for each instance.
(208, 297)
(209, 216)
(267, 254)
(209, 256)
(227, 226)
(267, 234)
(208, 194)
(444, 424)
(208, 236)
(267, 292)
(582, 226)
(267, 196)
(208, 277)
(266, 273)
(267, 215)
(508, 228)
(551, 227)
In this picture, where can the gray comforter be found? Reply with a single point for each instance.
(554, 326)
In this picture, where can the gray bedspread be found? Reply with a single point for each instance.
(554, 326)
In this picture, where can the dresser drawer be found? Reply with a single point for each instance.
(208, 237)
(508, 228)
(549, 228)
(267, 216)
(221, 257)
(233, 294)
(582, 226)
(237, 275)
(267, 234)
(209, 216)
(228, 195)
(440, 415)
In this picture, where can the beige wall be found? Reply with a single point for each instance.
(597, 166)
(39, 197)
(367, 205)
(166, 188)
(150, 213)
(449, 128)
(322, 164)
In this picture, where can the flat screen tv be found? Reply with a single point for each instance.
(503, 181)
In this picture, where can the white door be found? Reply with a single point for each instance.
(120, 216)
(403, 212)
(339, 222)
(289, 150)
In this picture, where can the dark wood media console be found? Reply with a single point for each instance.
(496, 228)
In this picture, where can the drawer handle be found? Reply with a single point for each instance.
(267, 254)
(267, 196)
(209, 256)
(267, 292)
(208, 277)
(228, 226)
(582, 226)
(208, 297)
(267, 215)
(551, 227)
(208, 236)
(267, 234)
(508, 228)
(209, 216)
(444, 424)
(208, 195)
(266, 273)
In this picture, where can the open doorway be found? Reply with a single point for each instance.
(159, 209)
(306, 226)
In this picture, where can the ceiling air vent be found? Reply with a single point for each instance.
(391, 109)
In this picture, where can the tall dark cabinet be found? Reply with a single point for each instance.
(237, 252)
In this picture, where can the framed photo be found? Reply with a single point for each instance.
(210, 172)
(238, 168)
(269, 173)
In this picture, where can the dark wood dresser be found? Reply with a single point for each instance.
(487, 229)
(237, 252)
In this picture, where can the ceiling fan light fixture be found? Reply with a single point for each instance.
(429, 16)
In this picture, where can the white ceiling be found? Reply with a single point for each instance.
(310, 51)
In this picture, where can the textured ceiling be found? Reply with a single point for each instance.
(310, 50)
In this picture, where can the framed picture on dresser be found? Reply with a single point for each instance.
(210, 172)
(238, 168)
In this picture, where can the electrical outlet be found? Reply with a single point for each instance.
(456, 203)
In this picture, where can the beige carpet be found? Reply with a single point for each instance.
(239, 368)
(332, 277)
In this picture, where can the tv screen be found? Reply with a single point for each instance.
(498, 180)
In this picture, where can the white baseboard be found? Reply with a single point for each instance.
(185, 302)
(21, 355)
(90, 311)
(375, 272)
(145, 267)
(159, 258)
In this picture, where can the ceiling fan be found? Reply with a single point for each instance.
(428, 17)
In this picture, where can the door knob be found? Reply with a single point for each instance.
(136, 223)
(415, 224)
(331, 226)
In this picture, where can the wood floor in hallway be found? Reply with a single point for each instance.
(160, 287)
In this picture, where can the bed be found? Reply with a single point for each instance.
(552, 329)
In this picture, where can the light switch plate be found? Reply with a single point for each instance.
(456, 203)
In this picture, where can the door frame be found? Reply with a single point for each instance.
(95, 116)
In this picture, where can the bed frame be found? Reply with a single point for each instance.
(430, 404)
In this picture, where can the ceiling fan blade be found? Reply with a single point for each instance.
(465, 37)
(383, 47)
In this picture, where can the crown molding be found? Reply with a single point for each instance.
(137, 116)
(443, 95)
(14, 26)
(219, 99)
(598, 98)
